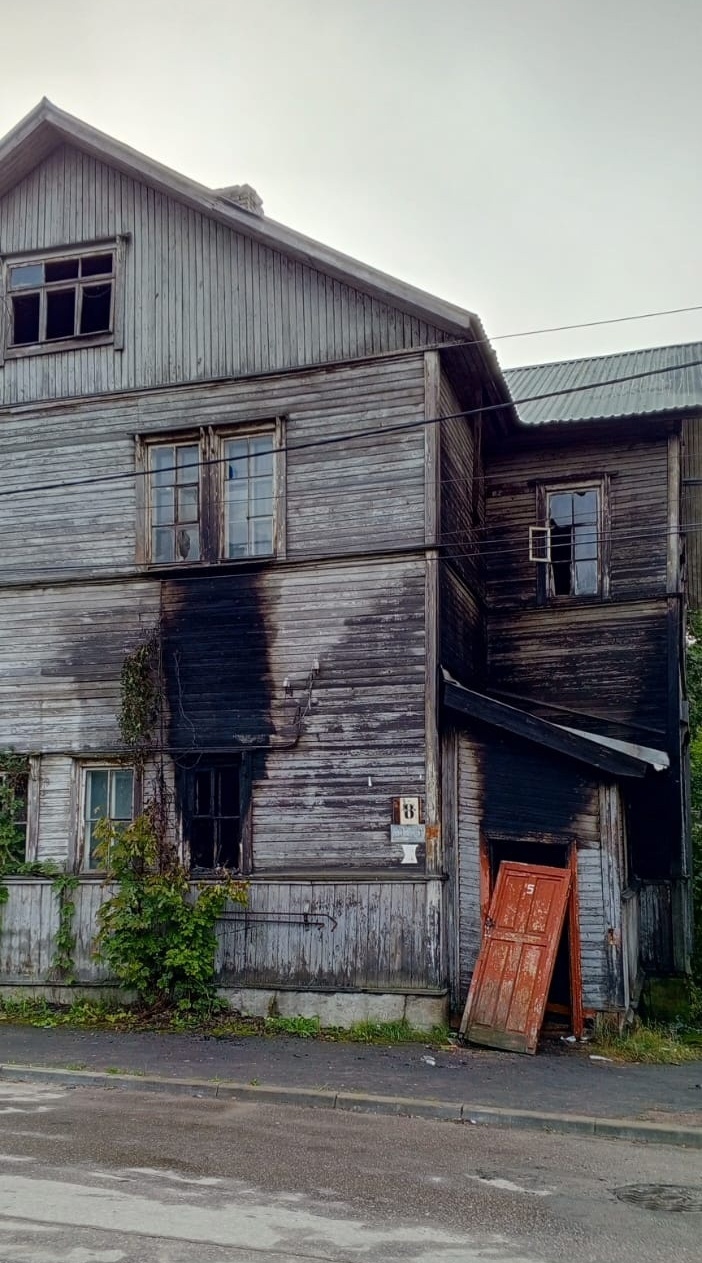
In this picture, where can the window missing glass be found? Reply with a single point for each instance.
(108, 794)
(57, 299)
(573, 520)
(212, 823)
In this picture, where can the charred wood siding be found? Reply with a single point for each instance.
(604, 661)
(605, 658)
(200, 300)
(638, 515)
(229, 646)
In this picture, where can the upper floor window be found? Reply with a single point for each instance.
(568, 544)
(213, 498)
(61, 299)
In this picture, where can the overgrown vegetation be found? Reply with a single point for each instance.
(156, 933)
(13, 807)
(648, 1043)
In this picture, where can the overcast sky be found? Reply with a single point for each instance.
(536, 161)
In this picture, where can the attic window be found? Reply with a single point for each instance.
(61, 299)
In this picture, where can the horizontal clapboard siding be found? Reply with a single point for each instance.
(608, 661)
(200, 300)
(638, 502)
(374, 936)
(365, 493)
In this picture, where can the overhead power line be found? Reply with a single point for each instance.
(376, 432)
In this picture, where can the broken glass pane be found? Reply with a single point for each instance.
(96, 309)
(61, 270)
(95, 265)
(25, 319)
(60, 314)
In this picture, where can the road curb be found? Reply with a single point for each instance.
(365, 1103)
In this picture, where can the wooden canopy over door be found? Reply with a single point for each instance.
(522, 930)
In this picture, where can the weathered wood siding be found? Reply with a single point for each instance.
(355, 935)
(607, 659)
(200, 300)
(359, 494)
(75, 604)
(462, 501)
(511, 795)
(638, 500)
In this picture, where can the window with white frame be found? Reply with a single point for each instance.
(569, 545)
(213, 497)
(61, 298)
(108, 794)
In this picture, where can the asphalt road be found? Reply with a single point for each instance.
(93, 1176)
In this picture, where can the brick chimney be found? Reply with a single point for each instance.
(243, 195)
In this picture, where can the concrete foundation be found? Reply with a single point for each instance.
(341, 1008)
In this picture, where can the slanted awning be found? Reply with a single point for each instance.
(618, 758)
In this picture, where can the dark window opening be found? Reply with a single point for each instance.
(73, 297)
(96, 265)
(60, 314)
(213, 819)
(61, 270)
(573, 520)
(96, 309)
(25, 319)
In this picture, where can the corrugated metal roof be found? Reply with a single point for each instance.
(672, 386)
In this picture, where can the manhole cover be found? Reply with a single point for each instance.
(673, 1197)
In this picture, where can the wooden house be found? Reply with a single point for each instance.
(390, 658)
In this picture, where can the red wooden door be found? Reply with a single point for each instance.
(522, 930)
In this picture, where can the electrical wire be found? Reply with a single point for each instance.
(383, 431)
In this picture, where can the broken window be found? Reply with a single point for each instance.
(212, 498)
(57, 299)
(108, 794)
(573, 521)
(213, 815)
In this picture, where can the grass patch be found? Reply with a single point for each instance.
(220, 1023)
(648, 1045)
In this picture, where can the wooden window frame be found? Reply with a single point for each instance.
(85, 767)
(545, 594)
(211, 443)
(114, 337)
(204, 761)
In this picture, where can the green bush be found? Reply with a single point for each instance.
(155, 933)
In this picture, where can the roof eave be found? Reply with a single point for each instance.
(50, 126)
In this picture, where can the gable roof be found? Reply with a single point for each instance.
(674, 384)
(46, 127)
